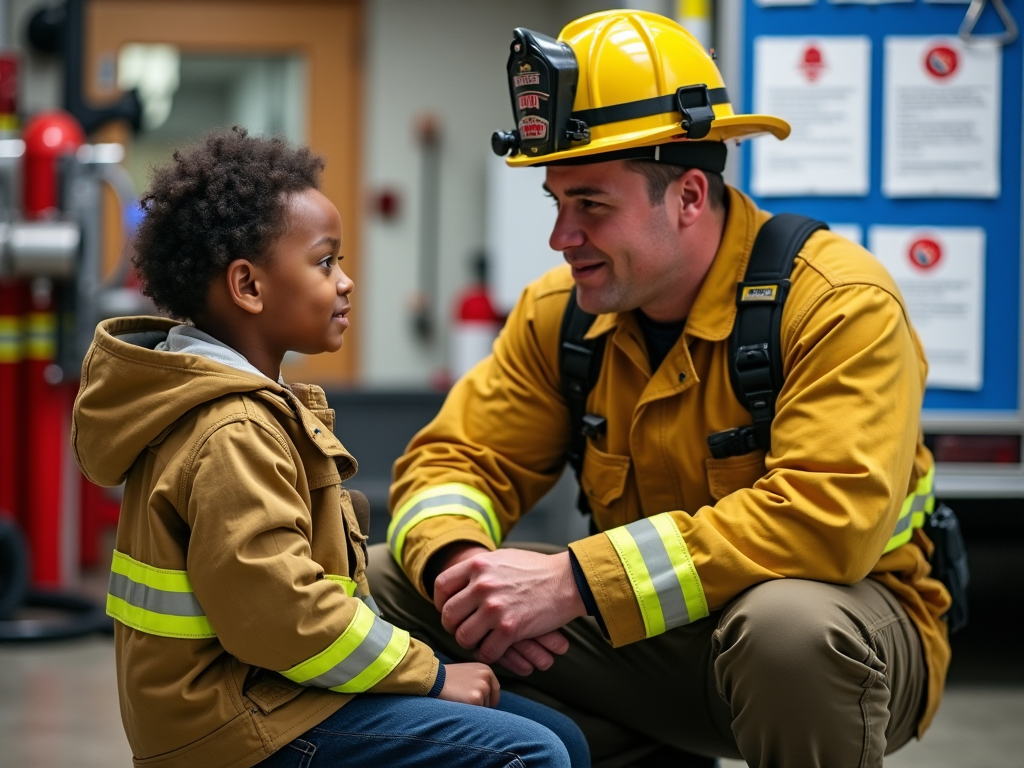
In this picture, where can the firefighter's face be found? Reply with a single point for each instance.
(625, 252)
(306, 291)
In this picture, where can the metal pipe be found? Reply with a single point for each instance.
(425, 310)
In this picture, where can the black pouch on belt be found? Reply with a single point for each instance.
(949, 562)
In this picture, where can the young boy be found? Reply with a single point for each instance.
(244, 627)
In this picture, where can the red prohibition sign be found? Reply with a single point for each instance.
(925, 253)
(941, 61)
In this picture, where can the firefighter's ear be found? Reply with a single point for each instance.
(244, 285)
(688, 197)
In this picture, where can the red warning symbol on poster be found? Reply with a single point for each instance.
(941, 62)
(813, 62)
(925, 253)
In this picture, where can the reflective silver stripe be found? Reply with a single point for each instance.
(441, 501)
(902, 524)
(918, 504)
(371, 604)
(662, 572)
(365, 654)
(152, 599)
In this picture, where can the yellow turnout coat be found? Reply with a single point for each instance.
(840, 496)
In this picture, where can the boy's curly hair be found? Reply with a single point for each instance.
(220, 200)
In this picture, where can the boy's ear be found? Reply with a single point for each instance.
(244, 285)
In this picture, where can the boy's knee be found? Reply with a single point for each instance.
(540, 746)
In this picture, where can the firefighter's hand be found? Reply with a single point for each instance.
(470, 683)
(492, 600)
(525, 656)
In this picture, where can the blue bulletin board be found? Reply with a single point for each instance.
(1000, 217)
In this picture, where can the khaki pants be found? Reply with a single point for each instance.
(791, 673)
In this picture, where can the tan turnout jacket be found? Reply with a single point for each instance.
(839, 497)
(239, 563)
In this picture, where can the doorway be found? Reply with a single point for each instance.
(280, 68)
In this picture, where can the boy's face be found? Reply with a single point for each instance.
(306, 294)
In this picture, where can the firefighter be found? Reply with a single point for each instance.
(774, 604)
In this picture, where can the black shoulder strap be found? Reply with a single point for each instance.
(579, 365)
(755, 348)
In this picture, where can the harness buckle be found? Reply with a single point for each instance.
(594, 425)
(734, 442)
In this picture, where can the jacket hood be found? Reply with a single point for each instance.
(131, 393)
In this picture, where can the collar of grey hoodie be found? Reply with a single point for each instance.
(189, 340)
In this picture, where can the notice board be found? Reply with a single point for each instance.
(936, 197)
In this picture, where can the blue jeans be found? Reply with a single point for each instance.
(385, 731)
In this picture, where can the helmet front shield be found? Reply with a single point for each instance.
(542, 75)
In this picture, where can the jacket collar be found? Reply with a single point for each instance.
(714, 309)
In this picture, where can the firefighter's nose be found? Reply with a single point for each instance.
(566, 234)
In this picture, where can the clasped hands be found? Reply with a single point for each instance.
(508, 605)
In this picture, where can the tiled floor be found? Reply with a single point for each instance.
(58, 708)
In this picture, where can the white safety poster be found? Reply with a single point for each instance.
(868, 2)
(941, 273)
(820, 85)
(852, 232)
(941, 117)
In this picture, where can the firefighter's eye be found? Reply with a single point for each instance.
(551, 197)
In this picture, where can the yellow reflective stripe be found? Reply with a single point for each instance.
(643, 587)
(40, 336)
(364, 654)
(158, 601)
(448, 499)
(159, 578)
(10, 339)
(345, 581)
(164, 625)
(388, 659)
(914, 511)
(659, 567)
(682, 563)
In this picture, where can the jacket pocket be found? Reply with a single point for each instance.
(356, 539)
(604, 481)
(269, 690)
(729, 475)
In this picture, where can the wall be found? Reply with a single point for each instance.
(442, 57)
(446, 58)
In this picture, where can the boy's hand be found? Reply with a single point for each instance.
(470, 683)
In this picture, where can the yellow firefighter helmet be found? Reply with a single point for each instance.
(621, 84)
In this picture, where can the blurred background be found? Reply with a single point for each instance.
(401, 97)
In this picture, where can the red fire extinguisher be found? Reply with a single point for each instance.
(11, 300)
(477, 323)
(52, 530)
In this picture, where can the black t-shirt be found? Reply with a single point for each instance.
(659, 337)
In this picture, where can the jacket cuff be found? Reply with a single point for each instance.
(435, 691)
(429, 537)
(611, 589)
(586, 593)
